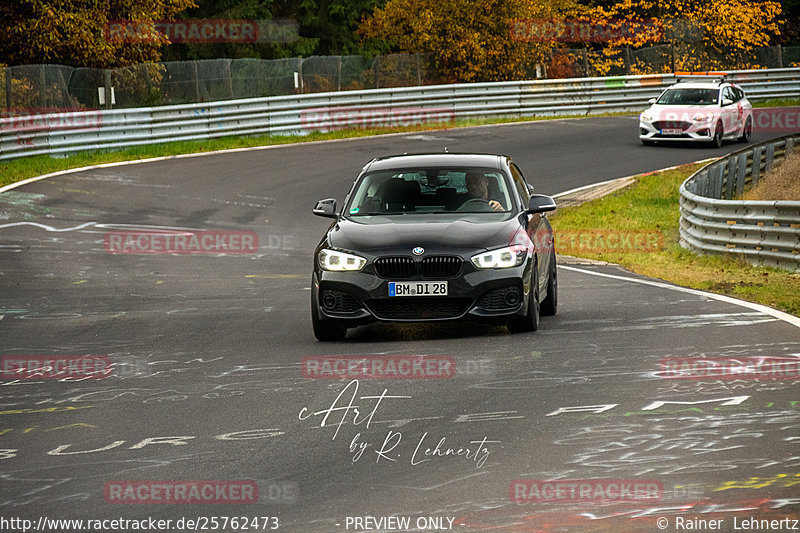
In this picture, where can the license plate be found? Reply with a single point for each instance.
(418, 288)
(671, 131)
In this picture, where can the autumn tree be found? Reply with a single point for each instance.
(721, 33)
(72, 31)
(466, 40)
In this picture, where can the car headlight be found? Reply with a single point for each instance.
(646, 117)
(703, 117)
(508, 257)
(339, 261)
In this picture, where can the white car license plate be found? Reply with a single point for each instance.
(418, 288)
(671, 131)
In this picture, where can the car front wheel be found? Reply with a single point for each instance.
(719, 131)
(549, 305)
(529, 322)
(747, 131)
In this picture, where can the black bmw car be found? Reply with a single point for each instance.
(435, 237)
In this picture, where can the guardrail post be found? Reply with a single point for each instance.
(719, 173)
(770, 157)
(756, 169)
(740, 174)
(789, 147)
(730, 178)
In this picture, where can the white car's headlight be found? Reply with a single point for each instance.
(508, 257)
(646, 117)
(703, 117)
(339, 261)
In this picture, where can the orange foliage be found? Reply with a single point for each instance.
(468, 40)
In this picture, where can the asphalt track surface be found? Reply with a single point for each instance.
(206, 352)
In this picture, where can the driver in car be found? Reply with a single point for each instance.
(478, 187)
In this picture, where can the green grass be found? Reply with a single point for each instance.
(652, 204)
(777, 102)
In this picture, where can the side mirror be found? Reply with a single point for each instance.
(530, 188)
(726, 102)
(325, 208)
(651, 101)
(540, 203)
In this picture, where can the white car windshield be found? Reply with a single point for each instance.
(431, 190)
(689, 96)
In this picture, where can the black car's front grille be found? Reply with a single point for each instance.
(339, 302)
(395, 267)
(438, 266)
(500, 299)
(672, 124)
(419, 308)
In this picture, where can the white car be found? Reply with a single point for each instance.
(699, 111)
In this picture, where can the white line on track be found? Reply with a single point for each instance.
(780, 315)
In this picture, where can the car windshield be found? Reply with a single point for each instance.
(431, 190)
(688, 96)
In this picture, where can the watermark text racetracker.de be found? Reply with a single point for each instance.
(776, 119)
(730, 368)
(176, 492)
(378, 367)
(327, 119)
(567, 241)
(585, 490)
(71, 367)
(181, 242)
(46, 119)
(201, 31)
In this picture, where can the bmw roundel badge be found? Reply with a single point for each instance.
(419, 250)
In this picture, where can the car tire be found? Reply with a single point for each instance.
(747, 131)
(529, 322)
(323, 330)
(719, 131)
(647, 143)
(549, 305)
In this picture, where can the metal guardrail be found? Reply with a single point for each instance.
(63, 133)
(765, 232)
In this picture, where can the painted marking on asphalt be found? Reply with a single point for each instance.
(46, 227)
(780, 315)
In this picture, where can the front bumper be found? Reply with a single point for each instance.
(701, 132)
(491, 295)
